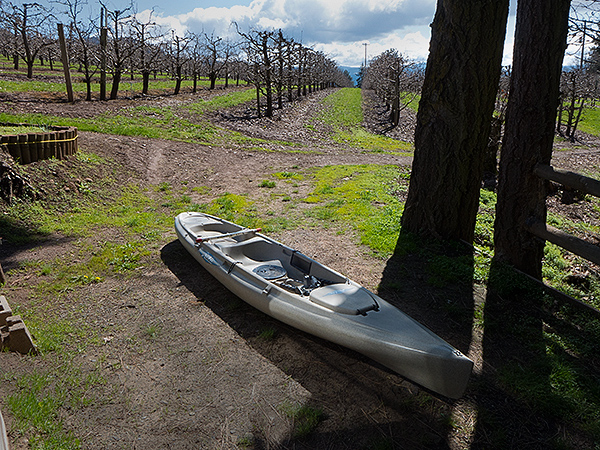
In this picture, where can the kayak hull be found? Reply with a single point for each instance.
(292, 288)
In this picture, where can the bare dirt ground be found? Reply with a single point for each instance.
(205, 377)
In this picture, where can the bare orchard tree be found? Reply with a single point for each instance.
(197, 51)
(29, 21)
(578, 85)
(217, 55)
(179, 57)
(302, 58)
(6, 38)
(281, 45)
(257, 45)
(10, 34)
(292, 65)
(593, 62)
(122, 47)
(84, 49)
(231, 57)
(576, 88)
(395, 80)
(147, 35)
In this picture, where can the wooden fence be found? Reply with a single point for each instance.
(57, 142)
(567, 241)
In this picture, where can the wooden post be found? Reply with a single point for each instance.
(61, 137)
(24, 149)
(39, 146)
(65, 61)
(71, 141)
(569, 179)
(4, 143)
(13, 147)
(32, 144)
(47, 145)
(103, 40)
(567, 241)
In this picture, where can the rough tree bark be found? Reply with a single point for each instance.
(540, 42)
(453, 122)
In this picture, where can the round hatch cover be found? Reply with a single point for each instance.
(269, 271)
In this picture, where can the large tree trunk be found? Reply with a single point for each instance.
(540, 42)
(453, 122)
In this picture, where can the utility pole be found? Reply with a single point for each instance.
(585, 22)
(365, 44)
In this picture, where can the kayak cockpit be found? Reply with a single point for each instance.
(295, 272)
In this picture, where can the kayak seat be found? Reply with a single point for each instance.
(255, 254)
(256, 248)
(344, 299)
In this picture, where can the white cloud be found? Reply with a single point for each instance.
(322, 21)
(414, 45)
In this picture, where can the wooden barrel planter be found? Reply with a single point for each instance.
(54, 142)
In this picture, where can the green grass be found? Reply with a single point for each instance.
(414, 103)
(4, 130)
(305, 418)
(344, 114)
(154, 122)
(363, 198)
(227, 100)
(126, 86)
(40, 396)
(345, 108)
(590, 122)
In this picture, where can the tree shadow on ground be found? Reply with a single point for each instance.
(19, 237)
(363, 404)
(541, 367)
(536, 382)
(433, 282)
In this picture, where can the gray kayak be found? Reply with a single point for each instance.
(3, 436)
(297, 290)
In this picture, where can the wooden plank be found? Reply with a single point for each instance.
(561, 296)
(567, 241)
(569, 179)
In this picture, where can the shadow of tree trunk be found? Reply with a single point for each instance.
(513, 354)
(432, 281)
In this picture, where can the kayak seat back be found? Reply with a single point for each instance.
(344, 299)
(301, 262)
(303, 265)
